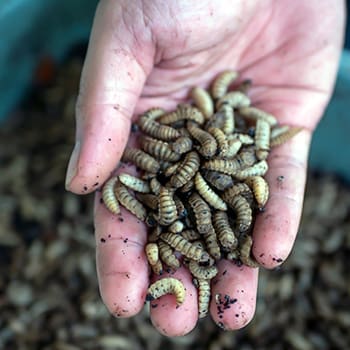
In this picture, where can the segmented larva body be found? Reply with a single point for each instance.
(208, 144)
(235, 99)
(188, 186)
(212, 244)
(234, 147)
(154, 113)
(229, 119)
(201, 212)
(245, 249)
(129, 202)
(255, 114)
(171, 169)
(219, 180)
(202, 272)
(167, 255)
(237, 189)
(222, 82)
(223, 230)
(208, 194)
(140, 159)
(283, 137)
(262, 139)
(244, 214)
(260, 189)
(183, 112)
(157, 268)
(168, 285)
(108, 196)
(203, 101)
(155, 185)
(185, 247)
(186, 171)
(279, 130)
(152, 253)
(156, 130)
(203, 297)
(180, 208)
(258, 169)
(176, 227)
(149, 200)
(134, 183)
(225, 166)
(159, 149)
(182, 145)
(244, 138)
(190, 235)
(167, 207)
(221, 140)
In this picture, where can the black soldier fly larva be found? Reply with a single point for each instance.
(200, 183)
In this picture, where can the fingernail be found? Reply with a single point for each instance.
(72, 166)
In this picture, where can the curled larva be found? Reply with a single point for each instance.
(285, 136)
(134, 183)
(182, 145)
(221, 140)
(258, 169)
(156, 130)
(262, 139)
(245, 249)
(183, 112)
(219, 180)
(201, 212)
(160, 150)
(222, 82)
(167, 255)
(235, 99)
(208, 194)
(186, 171)
(203, 101)
(208, 144)
(129, 202)
(202, 272)
(108, 195)
(224, 231)
(168, 285)
(167, 207)
(203, 297)
(212, 244)
(140, 159)
(260, 189)
(186, 248)
(244, 214)
(255, 114)
(152, 253)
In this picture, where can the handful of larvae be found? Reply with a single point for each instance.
(201, 183)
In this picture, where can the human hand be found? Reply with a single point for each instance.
(149, 53)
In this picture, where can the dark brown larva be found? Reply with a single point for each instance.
(129, 202)
(167, 255)
(202, 272)
(168, 285)
(186, 171)
(244, 214)
(208, 194)
(237, 189)
(182, 145)
(208, 144)
(190, 235)
(154, 113)
(222, 82)
(167, 207)
(245, 251)
(156, 130)
(160, 150)
(108, 195)
(203, 101)
(185, 247)
(201, 212)
(219, 180)
(140, 159)
(224, 231)
(171, 169)
(183, 112)
(149, 200)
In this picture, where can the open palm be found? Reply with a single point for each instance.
(149, 53)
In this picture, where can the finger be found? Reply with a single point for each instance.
(233, 295)
(276, 228)
(112, 80)
(122, 267)
(171, 320)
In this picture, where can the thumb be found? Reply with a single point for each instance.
(111, 83)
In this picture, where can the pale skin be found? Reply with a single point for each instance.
(149, 53)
